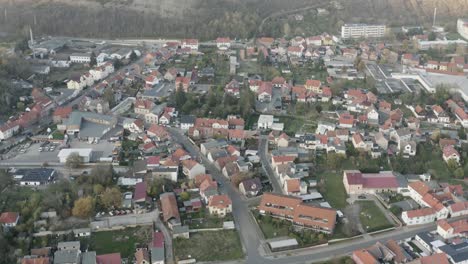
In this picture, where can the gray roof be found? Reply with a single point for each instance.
(187, 119)
(458, 253)
(252, 185)
(81, 230)
(157, 254)
(164, 169)
(214, 144)
(76, 118)
(93, 130)
(67, 256)
(69, 244)
(180, 229)
(426, 237)
(88, 257)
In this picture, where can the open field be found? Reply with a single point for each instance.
(124, 241)
(209, 246)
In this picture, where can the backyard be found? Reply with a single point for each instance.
(209, 246)
(372, 218)
(124, 241)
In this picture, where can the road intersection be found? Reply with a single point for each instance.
(254, 246)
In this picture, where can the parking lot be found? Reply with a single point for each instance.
(47, 153)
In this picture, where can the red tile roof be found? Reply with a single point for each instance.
(8, 217)
(153, 160)
(364, 257)
(220, 201)
(169, 207)
(201, 178)
(140, 191)
(301, 214)
(313, 83)
(293, 185)
(449, 150)
(372, 180)
(439, 258)
(113, 258)
(158, 240)
(420, 212)
(42, 260)
(63, 112)
(420, 187)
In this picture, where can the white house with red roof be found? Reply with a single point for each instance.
(192, 44)
(314, 86)
(450, 153)
(419, 216)
(219, 205)
(223, 43)
(454, 229)
(265, 92)
(8, 129)
(9, 219)
(458, 209)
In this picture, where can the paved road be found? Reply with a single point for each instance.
(265, 160)
(244, 222)
(250, 235)
(167, 238)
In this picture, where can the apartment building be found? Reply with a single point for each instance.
(362, 31)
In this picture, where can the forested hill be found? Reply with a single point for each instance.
(207, 19)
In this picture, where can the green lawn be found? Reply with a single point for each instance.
(124, 241)
(372, 218)
(334, 191)
(209, 246)
(274, 228)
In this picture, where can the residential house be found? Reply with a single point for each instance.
(8, 130)
(170, 209)
(9, 219)
(250, 187)
(219, 205)
(450, 153)
(192, 168)
(223, 44)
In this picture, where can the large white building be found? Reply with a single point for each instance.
(362, 30)
(80, 57)
(462, 27)
(85, 154)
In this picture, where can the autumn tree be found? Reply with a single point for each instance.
(83, 207)
(111, 197)
(74, 160)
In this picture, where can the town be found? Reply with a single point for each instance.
(332, 148)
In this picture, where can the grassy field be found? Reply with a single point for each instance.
(372, 218)
(334, 192)
(124, 241)
(209, 246)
